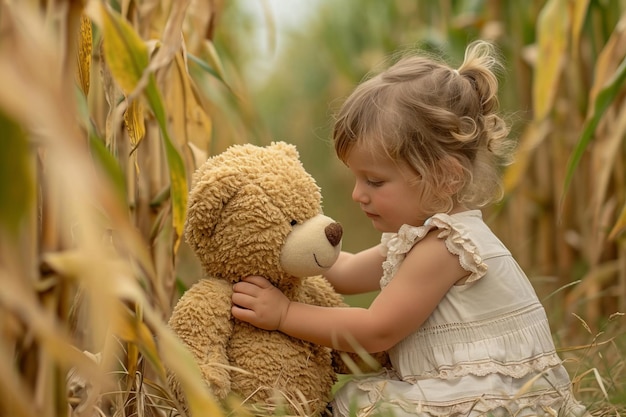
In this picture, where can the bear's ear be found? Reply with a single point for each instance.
(210, 193)
(289, 149)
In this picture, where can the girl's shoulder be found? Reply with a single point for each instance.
(461, 232)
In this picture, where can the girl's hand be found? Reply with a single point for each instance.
(258, 302)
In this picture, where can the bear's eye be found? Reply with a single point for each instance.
(293, 222)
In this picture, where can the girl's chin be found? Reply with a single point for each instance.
(383, 228)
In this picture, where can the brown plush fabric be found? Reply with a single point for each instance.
(242, 207)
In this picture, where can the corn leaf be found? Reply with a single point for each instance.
(85, 40)
(127, 57)
(603, 101)
(620, 225)
(125, 52)
(178, 176)
(134, 121)
(552, 38)
(16, 182)
(578, 20)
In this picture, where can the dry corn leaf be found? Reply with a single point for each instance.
(131, 329)
(135, 123)
(127, 58)
(172, 38)
(608, 61)
(579, 14)
(534, 134)
(125, 52)
(51, 336)
(603, 164)
(197, 25)
(553, 32)
(190, 123)
(85, 41)
(598, 276)
(620, 225)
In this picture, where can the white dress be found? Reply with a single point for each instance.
(486, 348)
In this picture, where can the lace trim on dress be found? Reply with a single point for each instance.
(397, 245)
(550, 403)
(514, 370)
(461, 245)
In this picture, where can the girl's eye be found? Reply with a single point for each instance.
(293, 222)
(374, 183)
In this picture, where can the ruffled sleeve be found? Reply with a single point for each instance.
(460, 243)
(396, 245)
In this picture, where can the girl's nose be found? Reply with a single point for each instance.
(358, 195)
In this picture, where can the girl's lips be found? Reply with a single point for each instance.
(370, 215)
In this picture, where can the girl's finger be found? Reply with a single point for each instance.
(246, 287)
(242, 313)
(258, 281)
(242, 300)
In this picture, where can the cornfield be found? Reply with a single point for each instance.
(108, 106)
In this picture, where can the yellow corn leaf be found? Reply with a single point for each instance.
(125, 53)
(85, 40)
(532, 137)
(176, 165)
(603, 157)
(134, 122)
(191, 126)
(579, 14)
(552, 28)
(609, 60)
(132, 330)
(127, 58)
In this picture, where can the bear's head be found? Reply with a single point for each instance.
(255, 211)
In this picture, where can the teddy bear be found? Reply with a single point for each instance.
(254, 210)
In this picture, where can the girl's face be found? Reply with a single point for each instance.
(387, 191)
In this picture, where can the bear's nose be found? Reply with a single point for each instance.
(334, 231)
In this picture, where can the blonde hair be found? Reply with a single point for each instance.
(436, 119)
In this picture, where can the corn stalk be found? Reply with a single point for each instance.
(102, 125)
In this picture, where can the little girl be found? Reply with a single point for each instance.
(464, 329)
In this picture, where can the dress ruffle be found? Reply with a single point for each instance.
(459, 243)
(383, 392)
(397, 245)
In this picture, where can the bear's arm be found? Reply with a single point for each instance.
(318, 291)
(202, 320)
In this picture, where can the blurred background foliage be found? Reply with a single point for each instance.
(106, 110)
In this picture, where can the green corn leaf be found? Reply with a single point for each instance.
(603, 100)
(16, 182)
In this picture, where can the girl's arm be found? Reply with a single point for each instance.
(357, 273)
(425, 276)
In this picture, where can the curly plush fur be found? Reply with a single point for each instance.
(256, 211)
